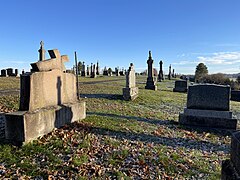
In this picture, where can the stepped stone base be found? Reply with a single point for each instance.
(130, 93)
(25, 126)
(208, 118)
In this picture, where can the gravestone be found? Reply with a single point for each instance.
(180, 86)
(9, 72)
(235, 95)
(93, 74)
(130, 92)
(117, 71)
(173, 73)
(23, 71)
(150, 80)
(169, 73)
(88, 70)
(4, 73)
(48, 100)
(122, 72)
(98, 69)
(105, 71)
(231, 167)
(208, 105)
(160, 75)
(16, 72)
(83, 72)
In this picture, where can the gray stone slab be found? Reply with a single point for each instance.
(208, 113)
(207, 121)
(208, 97)
(180, 86)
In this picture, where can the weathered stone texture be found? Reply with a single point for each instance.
(47, 89)
(208, 96)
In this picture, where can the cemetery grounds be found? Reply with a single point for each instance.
(118, 139)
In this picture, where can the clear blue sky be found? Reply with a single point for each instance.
(117, 32)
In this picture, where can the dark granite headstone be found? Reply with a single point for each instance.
(180, 86)
(209, 97)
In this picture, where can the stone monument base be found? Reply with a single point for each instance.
(130, 93)
(208, 118)
(25, 126)
(179, 89)
(229, 171)
(151, 87)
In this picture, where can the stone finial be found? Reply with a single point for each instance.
(41, 51)
(150, 55)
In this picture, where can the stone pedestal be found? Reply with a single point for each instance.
(130, 93)
(208, 105)
(48, 100)
(150, 84)
(231, 168)
(180, 86)
(25, 126)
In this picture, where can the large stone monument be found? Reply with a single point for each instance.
(208, 105)
(48, 100)
(160, 75)
(130, 92)
(231, 167)
(83, 72)
(4, 73)
(98, 69)
(117, 71)
(105, 71)
(93, 73)
(180, 86)
(150, 80)
(169, 73)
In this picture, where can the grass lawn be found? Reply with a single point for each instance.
(119, 139)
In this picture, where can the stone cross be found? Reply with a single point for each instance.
(41, 52)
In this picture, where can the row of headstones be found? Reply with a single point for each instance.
(93, 71)
(9, 72)
(118, 72)
(208, 105)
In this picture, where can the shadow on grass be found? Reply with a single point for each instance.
(173, 142)
(166, 141)
(104, 96)
(106, 81)
(151, 121)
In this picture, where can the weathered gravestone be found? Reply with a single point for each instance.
(231, 167)
(10, 71)
(160, 75)
(4, 73)
(180, 86)
(48, 100)
(117, 71)
(98, 69)
(130, 92)
(83, 72)
(105, 71)
(208, 105)
(169, 73)
(93, 73)
(150, 80)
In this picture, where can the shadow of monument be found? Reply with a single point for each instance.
(64, 114)
(103, 96)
